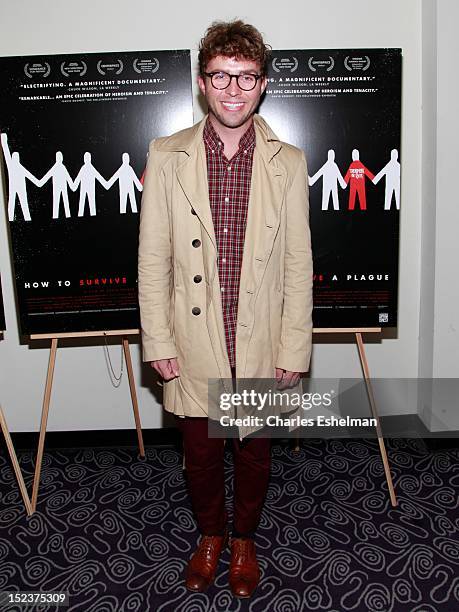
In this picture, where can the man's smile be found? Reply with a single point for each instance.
(233, 106)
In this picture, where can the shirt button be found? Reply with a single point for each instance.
(196, 243)
(223, 260)
(225, 229)
(229, 168)
(222, 289)
(226, 199)
(197, 278)
(196, 311)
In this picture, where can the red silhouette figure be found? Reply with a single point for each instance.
(356, 176)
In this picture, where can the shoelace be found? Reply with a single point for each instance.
(205, 547)
(242, 550)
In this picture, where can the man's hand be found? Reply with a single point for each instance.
(286, 379)
(167, 368)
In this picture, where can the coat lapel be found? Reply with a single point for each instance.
(266, 193)
(192, 172)
(192, 176)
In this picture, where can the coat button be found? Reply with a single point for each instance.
(196, 311)
(193, 212)
(197, 278)
(196, 243)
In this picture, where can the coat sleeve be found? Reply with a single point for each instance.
(296, 326)
(154, 266)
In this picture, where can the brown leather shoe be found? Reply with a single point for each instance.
(244, 573)
(203, 564)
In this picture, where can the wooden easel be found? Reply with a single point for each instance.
(49, 384)
(366, 374)
(14, 461)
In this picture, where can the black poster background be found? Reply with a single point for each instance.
(107, 104)
(340, 100)
(2, 312)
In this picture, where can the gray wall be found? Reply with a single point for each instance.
(439, 314)
(83, 397)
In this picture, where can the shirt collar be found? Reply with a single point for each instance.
(213, 140)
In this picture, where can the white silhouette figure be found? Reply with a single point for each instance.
(17, 176)
(392, 172)
(330, 176)
(61, 179)
(86, 179)
(127, 178)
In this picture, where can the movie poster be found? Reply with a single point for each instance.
(2, 311)
(343, 108)
(75, 131)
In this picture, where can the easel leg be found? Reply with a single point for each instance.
(14, 461)
(44, 421)
(382, 447)
(135, 405)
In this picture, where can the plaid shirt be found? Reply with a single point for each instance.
(229, 191)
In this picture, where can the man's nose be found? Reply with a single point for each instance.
(233, 87)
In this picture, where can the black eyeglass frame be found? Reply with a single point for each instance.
(233, 76)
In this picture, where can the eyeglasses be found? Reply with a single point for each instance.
(222, 80)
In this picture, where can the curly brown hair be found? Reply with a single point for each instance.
(233, 39)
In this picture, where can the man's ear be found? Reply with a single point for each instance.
(202, 85)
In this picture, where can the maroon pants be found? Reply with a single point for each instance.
(206, 480)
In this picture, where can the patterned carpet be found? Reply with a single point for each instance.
(116, 531)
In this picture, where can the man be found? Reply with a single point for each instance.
(225, 283)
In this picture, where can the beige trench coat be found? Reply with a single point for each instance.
(177, 243)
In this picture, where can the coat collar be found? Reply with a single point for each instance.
(268, 177)
(188, 141)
